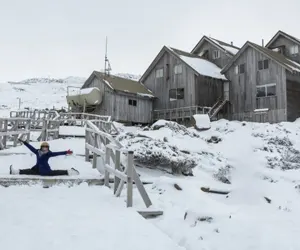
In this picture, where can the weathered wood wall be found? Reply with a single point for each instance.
(243, 89)
(224, 57)
(281, 40)
(161, 86)
(208, 90)
(293, 96)
(116, 104)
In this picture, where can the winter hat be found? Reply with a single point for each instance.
(44, 144)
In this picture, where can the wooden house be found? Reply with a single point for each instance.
(184, 84)
(264, 85)
(216, 51)
(123, 99)
(285, 44)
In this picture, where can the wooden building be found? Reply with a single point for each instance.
(264, 85)
(184, 84)
(123, 99)
(216, 51)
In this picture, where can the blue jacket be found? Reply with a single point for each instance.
(42, 159)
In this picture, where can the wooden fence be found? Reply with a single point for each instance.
(13, 128)
(111, 151)
(179, 113)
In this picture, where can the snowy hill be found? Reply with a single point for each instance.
(40, 92)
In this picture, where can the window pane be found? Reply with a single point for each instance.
(134, 102)
(159, 73)
(296, 49)
(172, 94)
(260, 91)
(180, 93)
(242, 68)
(178, 69)
(236, 69)
(130, 102)
(271, 90)
(260, 65)
(266, 64)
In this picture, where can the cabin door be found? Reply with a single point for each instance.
(226, 91)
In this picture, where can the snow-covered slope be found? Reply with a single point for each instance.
(258, 163)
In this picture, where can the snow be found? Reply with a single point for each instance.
(227, 48)
(204, 67)
(108, 84)
(295, 63)
(202, 121)
(261, 110)
(145, 95)
(73, 218)
(72, 130)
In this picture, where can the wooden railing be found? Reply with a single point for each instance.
(13, 128)
(107, 148)
(179, 113)
(36, 115)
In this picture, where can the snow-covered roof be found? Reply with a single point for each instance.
(199, 64)
(227, 47)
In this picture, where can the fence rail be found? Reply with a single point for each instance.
(110, 150)
(179, 113)
(13, 128)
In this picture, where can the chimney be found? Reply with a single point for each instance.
(263, 43)
(231, 43)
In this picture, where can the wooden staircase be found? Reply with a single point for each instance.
(217, 107)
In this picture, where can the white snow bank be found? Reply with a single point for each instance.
(72, 131)
(202, 121)
(77, 218)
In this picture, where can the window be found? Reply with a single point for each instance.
(216, 54)
(176, 94)
(239, 69)
(294, 50)
(159, 73)
(132, 102)
(263, 64)
(178, 69)
(168, 71)
(266, 90)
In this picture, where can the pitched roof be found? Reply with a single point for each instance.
(226, 47)
(279, 58)
(199, 64)
(121, 84)
(196, 63)
(281, 33)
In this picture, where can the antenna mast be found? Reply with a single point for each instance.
(107, 67)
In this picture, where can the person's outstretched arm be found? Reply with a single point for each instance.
(31, 148)
(53, 154)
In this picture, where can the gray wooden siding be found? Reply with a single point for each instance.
(161, 86)
(224, 57)
(242, 94)
(116, 104)
(208, 90)
(281, 40)
(293, 97)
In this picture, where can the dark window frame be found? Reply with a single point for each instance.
(264, 89)
(176, 94)
(241, 69)
(132, 102)
(263, 64)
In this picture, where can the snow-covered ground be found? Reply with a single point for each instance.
(258, 164)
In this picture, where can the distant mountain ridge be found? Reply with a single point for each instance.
(71, 79)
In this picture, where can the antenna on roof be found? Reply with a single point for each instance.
(107, 67)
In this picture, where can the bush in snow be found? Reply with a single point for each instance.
(223, 174)
(173, 126)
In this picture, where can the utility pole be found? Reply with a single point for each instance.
(107, 67)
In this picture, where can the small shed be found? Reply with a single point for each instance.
(125, 100)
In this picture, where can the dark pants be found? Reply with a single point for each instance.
(35, 171)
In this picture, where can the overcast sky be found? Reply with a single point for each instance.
(67, 37)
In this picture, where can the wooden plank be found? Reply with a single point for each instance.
(141, 189)
(118, 168)
(115, 172)
(150, 214)
(130, 168)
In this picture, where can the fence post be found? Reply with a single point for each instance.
(107, 162)
(5, 136)
(129, 178)
(16, 136)
(87, 151)
(117, 167)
